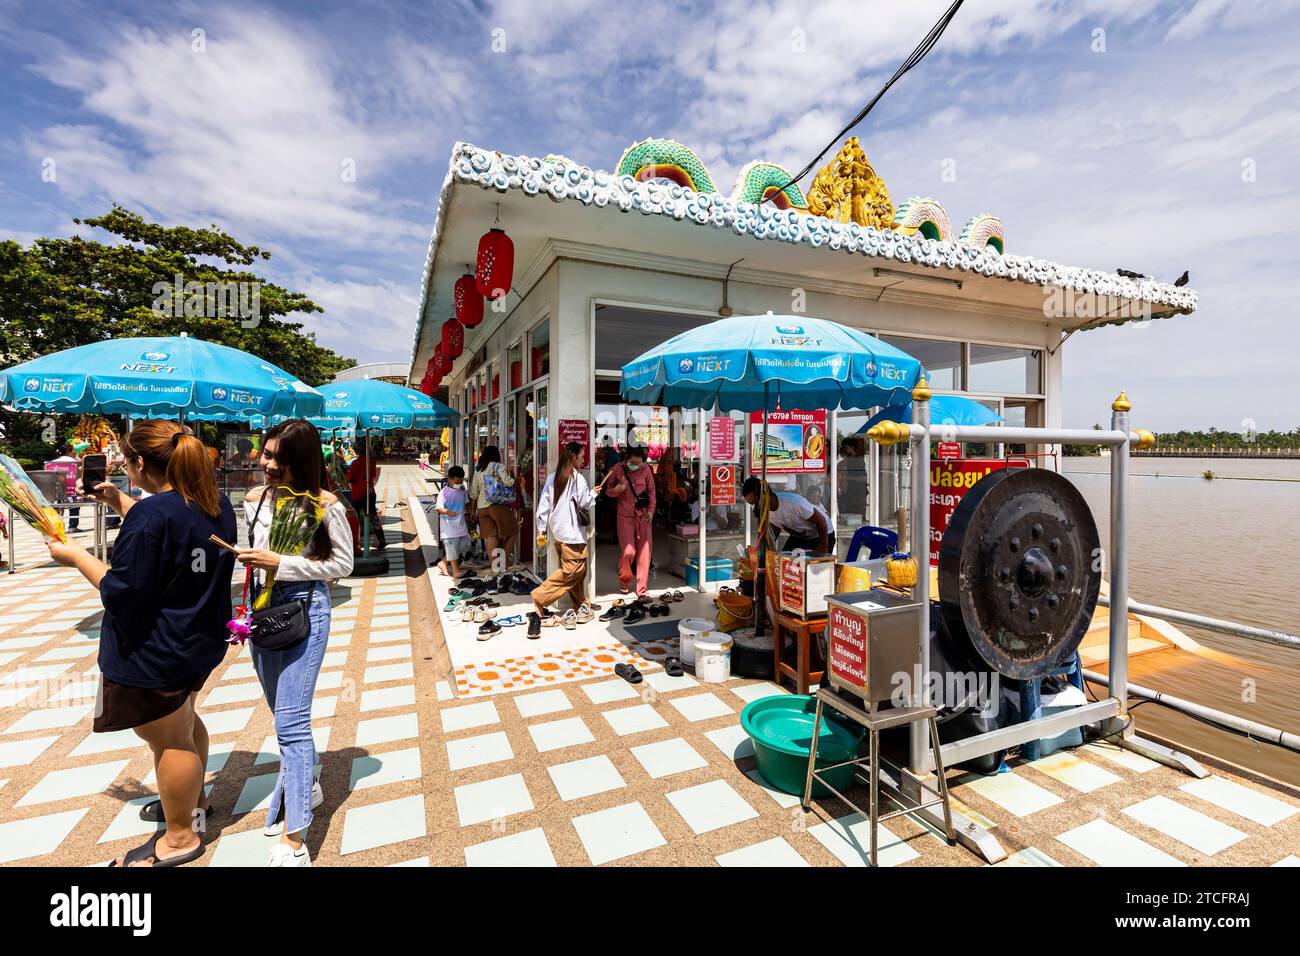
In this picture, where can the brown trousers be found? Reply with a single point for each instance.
(569, 578)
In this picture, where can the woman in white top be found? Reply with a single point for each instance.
(292, 460)
(566, 490)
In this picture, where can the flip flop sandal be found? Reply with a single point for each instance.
(673, 667)
(678, 596)
(552, 621)
(149, 850)
(513, 621)
(628, 673)
(152, 812)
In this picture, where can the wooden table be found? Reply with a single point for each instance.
(802, 631)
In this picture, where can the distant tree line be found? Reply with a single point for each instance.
(1212, 438)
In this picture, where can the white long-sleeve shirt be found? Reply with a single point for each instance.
(298, 567)
(564, 526)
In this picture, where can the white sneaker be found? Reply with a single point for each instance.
(317, 798)
(284, 855)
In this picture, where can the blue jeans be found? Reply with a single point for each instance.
(288, 679)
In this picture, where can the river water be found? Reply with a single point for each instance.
(1228, 548)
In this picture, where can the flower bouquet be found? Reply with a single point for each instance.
(294, 521)
(19, 492)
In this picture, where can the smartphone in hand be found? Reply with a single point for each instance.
(94, 472)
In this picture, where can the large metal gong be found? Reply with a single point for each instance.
(1019, 571)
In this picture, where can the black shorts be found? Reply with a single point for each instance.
(120, 707)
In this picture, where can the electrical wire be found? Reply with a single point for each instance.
(915, 57)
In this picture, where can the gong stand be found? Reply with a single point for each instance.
(1027, 576)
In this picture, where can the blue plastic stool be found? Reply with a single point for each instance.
(881, 541)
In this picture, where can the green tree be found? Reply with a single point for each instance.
(59, 293)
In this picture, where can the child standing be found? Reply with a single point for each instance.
(451, 520)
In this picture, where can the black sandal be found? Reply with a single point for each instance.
(673, 667)
(149, 850)
(151, 812)
(628, 673)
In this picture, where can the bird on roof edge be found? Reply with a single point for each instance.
(1183, 279)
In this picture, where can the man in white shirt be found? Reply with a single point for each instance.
(807, 524)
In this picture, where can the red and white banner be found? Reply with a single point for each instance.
(949, 482)
(722, 484)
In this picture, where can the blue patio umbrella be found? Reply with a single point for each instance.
(756, 363)
(154, 377)
(944, 410)
(370, 404)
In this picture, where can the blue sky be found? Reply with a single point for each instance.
(1167, 141)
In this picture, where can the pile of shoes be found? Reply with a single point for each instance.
(567, 619)
(642, 607)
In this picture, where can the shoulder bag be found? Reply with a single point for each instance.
(280, 626)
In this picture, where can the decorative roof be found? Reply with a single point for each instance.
(842, 192)
(847, 189)
(925, 216)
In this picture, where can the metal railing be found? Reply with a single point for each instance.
(1110, 713)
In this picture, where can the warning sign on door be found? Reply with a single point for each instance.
(722, 484)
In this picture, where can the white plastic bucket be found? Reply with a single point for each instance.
(688, 631)
(713, 657)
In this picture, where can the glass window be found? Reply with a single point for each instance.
(942, 360)
(1005, 369)
(852, 477)
(515, 366)
(624, 334)
(540, 353)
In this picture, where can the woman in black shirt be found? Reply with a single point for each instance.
(166, 604)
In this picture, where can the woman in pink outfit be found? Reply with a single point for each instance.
(632, 484)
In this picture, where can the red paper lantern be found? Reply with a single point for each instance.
(482, 392)
(467, 301)
(539, 357)
(516, 374)
(496, 386)
(496, 264)
(438, 364)
(453, 339)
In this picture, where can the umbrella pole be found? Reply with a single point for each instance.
(365, 518)
(760, 573)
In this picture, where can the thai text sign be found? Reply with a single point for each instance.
(722, 439)
(579, 431)
(847, 645)
(796, 442)
(949, 481)
(722, 484)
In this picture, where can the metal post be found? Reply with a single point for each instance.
(1118, 664)
(702, 462)
(833, 509)
(874, 489)
(919, 760)
(760, 572)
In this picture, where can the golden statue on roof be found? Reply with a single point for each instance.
(848, 189)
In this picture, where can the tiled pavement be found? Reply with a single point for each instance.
(580, 773)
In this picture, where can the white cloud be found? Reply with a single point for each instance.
(369, 321)
(256, 129)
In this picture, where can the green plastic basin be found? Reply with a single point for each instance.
(781, 728)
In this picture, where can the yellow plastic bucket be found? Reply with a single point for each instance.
(734, 610)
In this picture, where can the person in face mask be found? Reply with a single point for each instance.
(632, 484)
